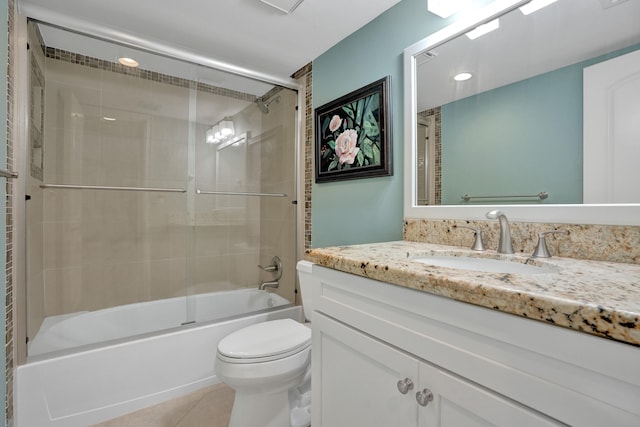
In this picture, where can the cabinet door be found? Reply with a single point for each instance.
(355, 379)
(457, 402)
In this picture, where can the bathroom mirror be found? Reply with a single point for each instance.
(527, 140)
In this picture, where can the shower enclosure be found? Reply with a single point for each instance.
(163, 182)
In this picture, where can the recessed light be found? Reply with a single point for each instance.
(460, 77)
(128, 62)
(109, 119)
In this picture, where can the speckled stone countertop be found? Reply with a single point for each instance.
(596, 297)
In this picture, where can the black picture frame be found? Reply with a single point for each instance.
(353, 135)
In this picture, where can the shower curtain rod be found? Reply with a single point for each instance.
(49, 17)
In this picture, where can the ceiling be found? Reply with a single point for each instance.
(248, 34)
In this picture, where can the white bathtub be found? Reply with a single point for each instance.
(89, 327)
(80, 388)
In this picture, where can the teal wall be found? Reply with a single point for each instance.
(521, 138)
(518, 139)
(4, 9)
(367, 210)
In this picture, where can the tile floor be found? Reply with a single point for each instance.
(209, 407)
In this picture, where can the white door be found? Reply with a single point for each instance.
(612, 131)
(355, 380)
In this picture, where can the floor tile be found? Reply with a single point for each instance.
(210, 407)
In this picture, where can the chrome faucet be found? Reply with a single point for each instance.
(504, 245)
(275, 268)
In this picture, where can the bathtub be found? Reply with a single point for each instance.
(85, 385)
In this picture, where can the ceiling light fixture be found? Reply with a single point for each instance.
(534, 5)
(210, 136)
(460, 77)
(446, 8)
(226, 127)
(220, 131)
(484, 29)
(109, 119)
(128, 62)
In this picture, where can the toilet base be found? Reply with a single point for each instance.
(289, 408)
(260, 410)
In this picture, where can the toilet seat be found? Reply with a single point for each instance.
(266, 341)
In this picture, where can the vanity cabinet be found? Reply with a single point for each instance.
(480, 366)
(366, 382)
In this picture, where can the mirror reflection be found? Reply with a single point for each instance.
(544, 116)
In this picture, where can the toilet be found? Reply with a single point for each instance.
(268, 365)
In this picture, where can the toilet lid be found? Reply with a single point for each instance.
(266, 339)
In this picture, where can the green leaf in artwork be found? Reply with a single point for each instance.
(366, 148)
(349, 109)
(332, 144)
(360, 158)
(376, 154)
(374, 101)
(360, 110)
(371, 125)
(325, 124)
(333, 164)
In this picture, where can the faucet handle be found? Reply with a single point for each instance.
(478, 244)
(541, 250)
(275, 268)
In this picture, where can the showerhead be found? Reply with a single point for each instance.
(264, 106)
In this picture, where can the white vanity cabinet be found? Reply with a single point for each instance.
(479, 367)
(366, 382)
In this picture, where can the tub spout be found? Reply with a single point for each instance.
(273, 284)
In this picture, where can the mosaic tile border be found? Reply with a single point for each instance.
(9, 294)
(306, 73)
(100, 64)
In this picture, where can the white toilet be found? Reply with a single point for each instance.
(269, 367)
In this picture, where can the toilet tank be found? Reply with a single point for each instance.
(306, 280)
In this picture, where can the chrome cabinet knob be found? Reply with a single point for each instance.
(424, 397)
(405, 385)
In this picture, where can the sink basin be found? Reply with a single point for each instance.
(486, 265)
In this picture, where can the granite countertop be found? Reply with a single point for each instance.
(599, 298)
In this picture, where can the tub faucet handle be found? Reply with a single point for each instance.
(275, 268)
(541, 250)
(478, 244)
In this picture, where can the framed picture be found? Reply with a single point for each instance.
(353, 135)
